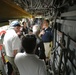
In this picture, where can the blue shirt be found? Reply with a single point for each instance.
(48, 36)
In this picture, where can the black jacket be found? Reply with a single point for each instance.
(40, 51)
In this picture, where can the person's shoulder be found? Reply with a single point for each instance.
(8, 31)
(42, 61)
(39, 61)
(19, 55)
(49, 28)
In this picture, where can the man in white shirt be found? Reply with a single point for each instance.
(28, 63)
(12, 44)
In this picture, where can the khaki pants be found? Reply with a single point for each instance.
(11, 60)
(48, 47)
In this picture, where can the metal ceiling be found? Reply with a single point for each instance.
(35, 7)
(44, 7)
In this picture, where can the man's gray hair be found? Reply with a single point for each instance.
(36, 28)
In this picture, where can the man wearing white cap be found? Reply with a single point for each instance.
(12, 44)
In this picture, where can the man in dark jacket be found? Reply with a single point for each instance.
(47, 37)
(46, 34)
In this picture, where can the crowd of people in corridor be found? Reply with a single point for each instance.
(27, 50)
